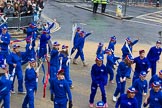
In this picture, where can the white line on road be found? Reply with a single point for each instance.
(148, 14)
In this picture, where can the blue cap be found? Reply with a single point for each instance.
(100, 44)
(56, 44)
(100, 104)
(156, 83)
(158, 42)
(143, 73)
(131, 90)
(99, 58)
(4, 27)
(128, 39)
(64, 46)
(112, 38)
(108, 50)
(78, 28)
(32, 60)
(15, 46)
(129, 57)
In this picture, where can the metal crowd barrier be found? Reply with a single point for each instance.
(19, 22)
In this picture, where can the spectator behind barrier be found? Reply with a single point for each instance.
(16, 10)
(29, 9)
(8, 10)
(23, 8)
(2, 5)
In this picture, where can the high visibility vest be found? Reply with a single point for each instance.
(96, 1)
(103, 1)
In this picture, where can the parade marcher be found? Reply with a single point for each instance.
(112, 43)
(155, 97)
(127, 100)
(30, 84)
(59, 91)
(110, 63)
(4, 42)
(100, 51)
(54, 60)
(103, 5)
(141, 64)
(156, 77)
(64, 57)
(76, 37)
(140, 85)
(126, 50)
(5, 86)
(154, 56)
(99, 77)
(122, 72)
(95, 5)
(14, 61)
(80, 46)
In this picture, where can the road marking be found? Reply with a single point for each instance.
(148, 14)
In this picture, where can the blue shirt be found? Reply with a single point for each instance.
(5, 85)
(100, 51)
(54, 61)
(154, 54)
(44, 40)
(155, 78)
(140, 86)
(112, 45)
(6, 41)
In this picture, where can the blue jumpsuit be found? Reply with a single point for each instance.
(31, 87)
(4, 46)
(54, 63)
(112, 45)
(76, 37)
(155, 99)
(125, 50)
(80, 45)
(16, 59)
(66, 68)
(125, 102)
(5, 91)
(155, 78)
(153, 56)
(141, 65)
(141, 87)
(99, 76)
(122, 71)
(43, 48)
(60, 88)
(100, 51)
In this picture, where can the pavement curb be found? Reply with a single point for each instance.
(69, 1)
(105, 14)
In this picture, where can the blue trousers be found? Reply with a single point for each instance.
(153, 68)
(111, 73)
(53, 71)
(42, 52)
(135, 76)
(94, 90)
(29, 99)
(67, 75)
(120, 87)
(6, 100)
(73, 50)
(139, 99)
(60, 103)
(20, 81)
(79, 53)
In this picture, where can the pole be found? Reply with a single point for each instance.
(125, 9)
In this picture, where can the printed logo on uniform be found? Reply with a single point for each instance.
(61, 85)
(129, 103)
(102, 70)
(144, 85)
(143, 63)
(158, 52)
(5, 36)
(156, 99)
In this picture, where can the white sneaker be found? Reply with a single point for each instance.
(12, 92)
(21, 92)
(114, 99)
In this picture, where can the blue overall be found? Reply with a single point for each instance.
(100, 52)
(54, 63)
(60, 88)
(99, 76)
(125, 50)
(15, 59)
(155, 78)
(76, 38)
(5, 91)
(66, 68)
(141, 65)
(125, 102)
(155, 99)
(31, 87)
(141, 87)
(4, 46)
(153, 56)
(122, 71)
(80, 45)
(112, 45)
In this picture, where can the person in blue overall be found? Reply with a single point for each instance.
(100, 51)
(127, 100)
(76, 37)
(112, 43)
(155, 97)
(140, 85)
(54, 60)
(125, 49)
(14, 61)
(43, 44)
(5, 86)
(30, 84)
(110, 63)
(65, 64)
(122, 72)
(141, 64)
(99, 77)
(154, 56)
(156, 77)
(59, 91)
(4, 42)
(80, 46)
